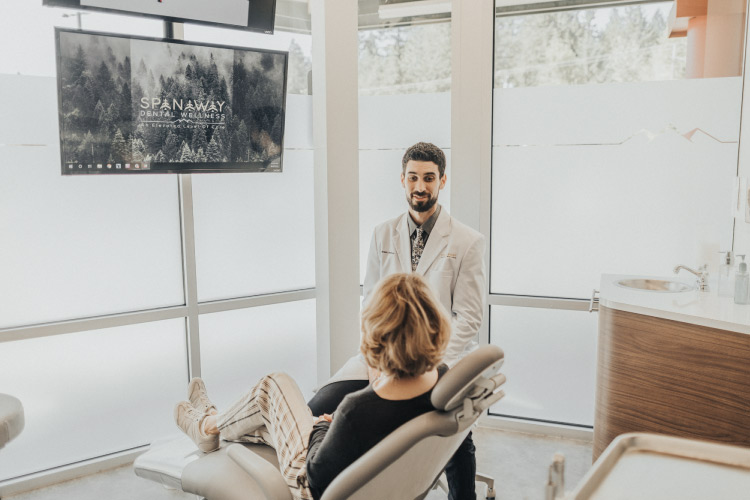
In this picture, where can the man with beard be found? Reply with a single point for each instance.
(428, 241)
(450, 256)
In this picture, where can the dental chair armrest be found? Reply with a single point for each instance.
(267, 476)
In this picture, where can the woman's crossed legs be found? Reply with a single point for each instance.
(273, 412)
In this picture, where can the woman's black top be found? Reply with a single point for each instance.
(361, 421)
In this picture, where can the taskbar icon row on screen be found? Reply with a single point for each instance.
(109, 166)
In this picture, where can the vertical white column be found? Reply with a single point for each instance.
(741, 226)
(472, 35)
(472, 24)
(335, 135)
(176, 31)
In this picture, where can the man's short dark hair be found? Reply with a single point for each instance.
(424, 151)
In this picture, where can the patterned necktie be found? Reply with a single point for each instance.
(417, 246)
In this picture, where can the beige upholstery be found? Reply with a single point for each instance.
(11, 418)
(177, 463)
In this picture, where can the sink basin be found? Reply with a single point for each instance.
(653, 285)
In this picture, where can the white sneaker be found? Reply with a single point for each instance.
(198, 396)
(189, 420)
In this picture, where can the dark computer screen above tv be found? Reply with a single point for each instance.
(133, 105)
(253, 15)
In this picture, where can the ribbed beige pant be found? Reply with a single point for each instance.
(274, 412)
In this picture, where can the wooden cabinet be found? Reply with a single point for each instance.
(669, 377)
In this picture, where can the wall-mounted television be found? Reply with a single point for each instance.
(133, 105)
(252, 15)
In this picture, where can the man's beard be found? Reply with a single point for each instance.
(421, 206)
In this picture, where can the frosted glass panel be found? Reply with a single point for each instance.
(298, 122)
(40, 125)
(381, 196)
(622, 179)
(398, 121)
(388, 124)
(28, 38)
(78, 247)
(254, 232)
(92, 393)
(239, 347)
(617, 113)
(550, 363)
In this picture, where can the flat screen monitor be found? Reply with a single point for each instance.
(252, 15)
(133, 105)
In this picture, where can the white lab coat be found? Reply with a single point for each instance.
(452, 263)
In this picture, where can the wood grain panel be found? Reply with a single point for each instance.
(657, 375)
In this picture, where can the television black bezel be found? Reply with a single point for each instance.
(207, 167)
(65, 5)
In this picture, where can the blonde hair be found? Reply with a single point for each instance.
(405, 329)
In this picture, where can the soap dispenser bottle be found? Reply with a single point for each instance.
(726, 275)
(742, 284)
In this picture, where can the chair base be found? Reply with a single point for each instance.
(485, 485)
(490, 482)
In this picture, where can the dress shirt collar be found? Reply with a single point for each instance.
(428, 224)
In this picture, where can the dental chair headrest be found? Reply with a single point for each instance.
(460, 381)
(11, 418)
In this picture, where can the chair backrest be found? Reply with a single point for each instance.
(408, 461)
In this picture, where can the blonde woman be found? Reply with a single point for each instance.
(405, 334)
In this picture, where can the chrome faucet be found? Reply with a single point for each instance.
(702, 275)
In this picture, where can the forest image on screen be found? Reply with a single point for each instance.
(132, 105)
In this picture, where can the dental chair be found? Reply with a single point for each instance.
(405, 465)
(11, 418)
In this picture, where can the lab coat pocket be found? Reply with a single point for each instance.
(441, 284)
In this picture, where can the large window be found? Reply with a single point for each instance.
(404, 89)
(570, 47)
(251, 236)
(610, 155)
(109, 285)
(405, 59)
(77, 389)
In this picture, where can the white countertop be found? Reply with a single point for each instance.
(696, 307)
